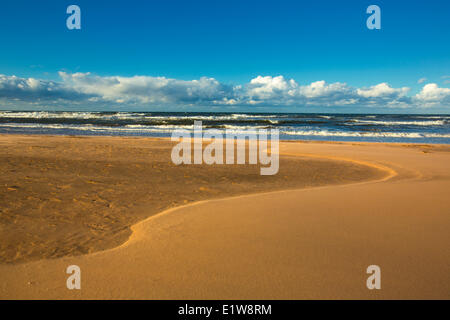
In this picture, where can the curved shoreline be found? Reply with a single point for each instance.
(390, 174)
(91, 197)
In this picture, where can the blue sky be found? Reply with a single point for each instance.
(237, 54)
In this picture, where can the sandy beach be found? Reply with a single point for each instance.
(140, 227)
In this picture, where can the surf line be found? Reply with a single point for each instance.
(213, 153)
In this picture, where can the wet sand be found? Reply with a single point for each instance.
(349, 205)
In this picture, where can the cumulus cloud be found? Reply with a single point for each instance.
(322, 89)
(30, 89)
(383, 94)
(264, 88)
(147, 90)
(278, 90)
(431, 94)
(382, 90)
(322, 93)
(89, 89)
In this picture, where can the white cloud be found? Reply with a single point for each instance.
(270, 87)
(322, 89)
(145, 89)
(30, 89)
(278, 90)
(422, 80)
(431, 94)
(382, 90)
(92, 90)
(446, 79)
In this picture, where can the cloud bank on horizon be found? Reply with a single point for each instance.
(75, 89)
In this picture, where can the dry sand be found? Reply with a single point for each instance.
(314, 242)
(62, 196)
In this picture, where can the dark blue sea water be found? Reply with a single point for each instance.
(334, 127)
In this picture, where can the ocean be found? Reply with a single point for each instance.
(292, 126)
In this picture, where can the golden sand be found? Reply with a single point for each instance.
(387, 205)
(65, 196)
